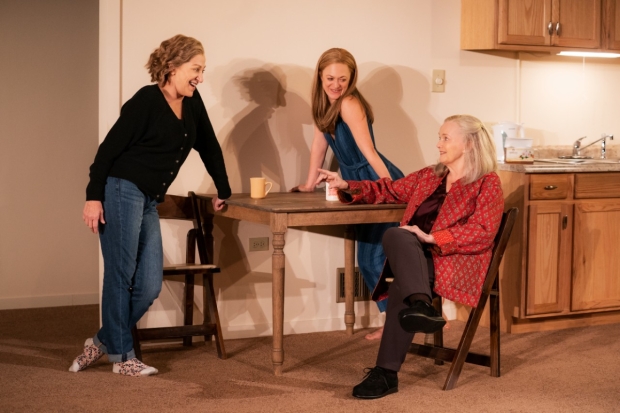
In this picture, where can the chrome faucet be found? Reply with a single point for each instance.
(577, 146)
(603, 140)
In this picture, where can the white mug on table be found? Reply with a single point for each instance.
(330, 194)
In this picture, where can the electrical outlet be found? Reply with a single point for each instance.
(259, 244)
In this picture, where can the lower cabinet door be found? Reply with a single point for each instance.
(549, 258)
(596, 260)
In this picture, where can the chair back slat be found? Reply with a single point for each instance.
(176, 207)
(202, 228)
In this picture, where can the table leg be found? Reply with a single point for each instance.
(278, 229)
(349, 277)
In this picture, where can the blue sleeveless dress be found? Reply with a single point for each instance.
(355, 167)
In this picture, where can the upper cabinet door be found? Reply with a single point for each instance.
(576, 23)
(540, 25)
(524, 22)
(612, 25)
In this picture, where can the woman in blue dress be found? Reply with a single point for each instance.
(343, 121)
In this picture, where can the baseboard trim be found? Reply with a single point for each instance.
(292, 327)
(48, 301)
(301, 327)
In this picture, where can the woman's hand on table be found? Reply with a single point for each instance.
(332, 178)
(218, 204)
(93, 215)
(422, 236)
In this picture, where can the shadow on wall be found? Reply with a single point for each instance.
(263, 137)
(269, 134)
(251, 140)
(266, 125)
(389, 89)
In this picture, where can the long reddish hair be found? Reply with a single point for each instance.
(324, 113)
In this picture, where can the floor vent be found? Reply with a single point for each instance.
(360, 290)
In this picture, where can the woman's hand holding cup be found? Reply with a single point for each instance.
(334, 180)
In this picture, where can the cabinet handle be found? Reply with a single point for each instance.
(564, 221)
(550, 187)
(550, 28)
(558, 29)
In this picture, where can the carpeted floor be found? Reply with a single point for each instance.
(574, 370)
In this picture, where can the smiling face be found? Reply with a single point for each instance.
(335, 79)
(452, 145)
(186, 77)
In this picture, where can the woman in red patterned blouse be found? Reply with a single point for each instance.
(443, 244)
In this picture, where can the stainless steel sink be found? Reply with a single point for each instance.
(574, 157)
(570, 160)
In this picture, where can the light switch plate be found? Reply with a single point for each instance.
(438, 81)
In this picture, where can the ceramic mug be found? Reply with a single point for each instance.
(331, 194)
(259, 187)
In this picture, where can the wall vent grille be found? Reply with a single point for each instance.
(360, 290)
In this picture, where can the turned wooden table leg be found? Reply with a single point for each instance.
(278, 229)
(349, 277)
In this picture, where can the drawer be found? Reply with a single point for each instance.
(549, 186)
(597, 185)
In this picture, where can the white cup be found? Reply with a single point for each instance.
(331, 194)
(259, 187)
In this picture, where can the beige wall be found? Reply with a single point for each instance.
(48, 129)
(260, 56)
(260, 60)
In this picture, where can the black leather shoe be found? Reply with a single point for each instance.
(376, 384)
(421, 317)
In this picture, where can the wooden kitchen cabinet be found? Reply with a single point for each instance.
(531, 25)
(611, 25)
(548, 259)
(562, 264)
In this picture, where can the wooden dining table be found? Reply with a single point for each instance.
(281, 211)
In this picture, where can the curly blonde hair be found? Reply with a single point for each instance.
(324, 113)
(171, 54)
(481, 159)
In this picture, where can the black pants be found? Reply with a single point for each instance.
(413, 270)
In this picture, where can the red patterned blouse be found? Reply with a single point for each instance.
(464, 229)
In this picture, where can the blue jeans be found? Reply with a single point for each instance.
(133, 265)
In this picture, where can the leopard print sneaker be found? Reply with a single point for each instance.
(134, 367)
(91, 354)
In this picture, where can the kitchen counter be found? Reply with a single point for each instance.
(545, 167)
(561, 266)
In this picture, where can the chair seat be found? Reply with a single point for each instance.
(182, 269)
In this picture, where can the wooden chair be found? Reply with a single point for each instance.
(461, 354)
(189, 208)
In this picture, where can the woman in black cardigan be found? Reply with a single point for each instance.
(134, 166)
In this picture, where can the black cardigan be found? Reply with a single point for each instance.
(148, 144)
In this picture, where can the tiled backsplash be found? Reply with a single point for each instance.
(543, 152)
